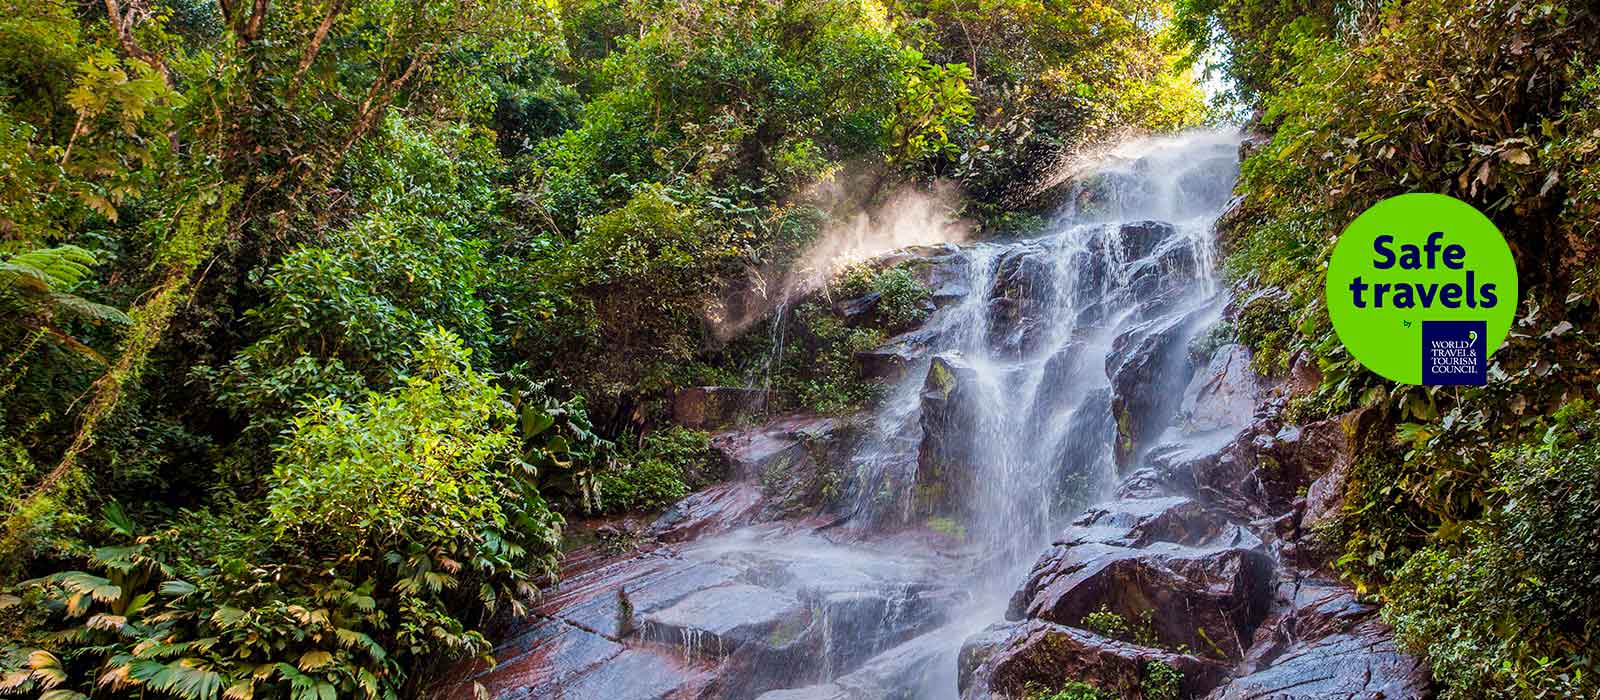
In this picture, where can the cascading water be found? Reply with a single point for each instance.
(1027, 426)
(1050, 362)
(1032, 335)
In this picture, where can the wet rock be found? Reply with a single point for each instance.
(949, 416)
(796, 460)
(941, 268)
(1223, 395)
(1024, 289)
(1304, 374)
(1138, 239)
(1008, 660)
(1328, 450)
(554, 659)
(715, 407)
(898, 355)
(635, 674)
(1169, 270)
(1327, 644)
(905, 672)
(1143, 522)
(1083, 461)
(716, 622)
(1147, 366)
(858, 309)
(1209, 600)
(707, 512)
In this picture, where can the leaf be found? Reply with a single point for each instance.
(242, 690)
(63, 694)
(313, 660)
(1517, 156)
(96, 587)
(177, 588)
(116, 517)
(535, 420)
(188, 679)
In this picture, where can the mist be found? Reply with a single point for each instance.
(858, 232)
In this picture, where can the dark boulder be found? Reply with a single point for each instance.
(950, 415)
(1326, 643)
(1139, 239)
(1209, 600)
(1011, 659)
(1147, 367)
(1223, 395)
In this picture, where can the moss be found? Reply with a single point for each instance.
(947, 527)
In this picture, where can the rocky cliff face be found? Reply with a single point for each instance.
(1067, 482)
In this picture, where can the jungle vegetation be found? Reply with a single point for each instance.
(320, 317)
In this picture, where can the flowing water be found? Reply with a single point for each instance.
(1002, 426)
(1043, 324)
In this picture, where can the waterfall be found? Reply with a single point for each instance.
(1033, 343)
(1051, 364)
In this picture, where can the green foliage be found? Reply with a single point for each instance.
(827, 379)
(1071, 690)
(1117, 626)
(1506, 607)
(391, 529)
(934, 102)
(668, 465)
(1161, 682)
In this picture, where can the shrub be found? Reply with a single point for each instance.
(1508, 607)
(393, 529)
(669, 465)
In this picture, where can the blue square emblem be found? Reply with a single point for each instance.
(1455, 352)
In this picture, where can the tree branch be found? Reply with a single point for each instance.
(313, 48)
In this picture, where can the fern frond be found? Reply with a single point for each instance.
(51, 269)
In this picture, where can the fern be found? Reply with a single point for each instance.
(48, 275)
(40, 284)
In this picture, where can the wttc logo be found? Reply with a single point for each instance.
(1422, 289)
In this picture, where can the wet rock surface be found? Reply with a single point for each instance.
(716, 407)
(1011, 659)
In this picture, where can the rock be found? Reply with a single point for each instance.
(1328, 451)
(858, 309)
(1314, 460)
(1169, 270)
(1143, 522)
(1147, 366)
(715, 407)
(1304, 374)
(1222, 396)
(716, 622)
(949, 415)
(1008, 660)
(1083, 461)
(1024, 289)
(1209, 600)
(1327, 644)
(905, 672)
(708, 512)
(1138, 239)
(797, 460)
(895, 357)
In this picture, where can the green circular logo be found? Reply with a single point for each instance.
(1422, 289)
